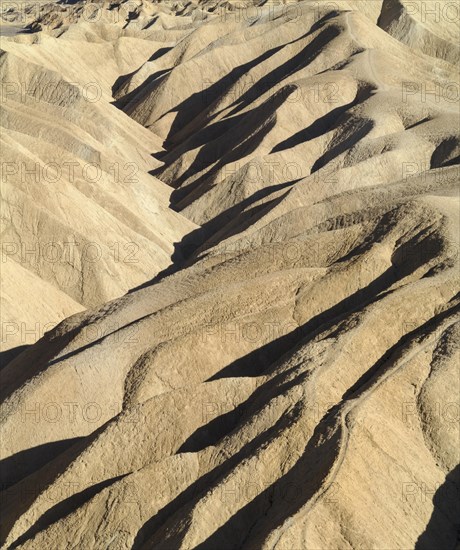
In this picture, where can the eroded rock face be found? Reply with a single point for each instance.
(83, 221)
(290, 379)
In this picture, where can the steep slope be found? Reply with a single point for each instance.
(323, 107)
(80, 210)
(292, 379)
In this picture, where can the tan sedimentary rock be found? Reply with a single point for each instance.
(291, 380)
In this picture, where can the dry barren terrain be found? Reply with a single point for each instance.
(230, 275)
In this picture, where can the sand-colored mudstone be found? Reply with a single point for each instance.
(279, 368)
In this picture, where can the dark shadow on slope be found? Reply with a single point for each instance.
(443, 529)
(452, 162)
(64, 508)
(153, 19)
(306, 477)
(23, 494)
(204, 136)
(257, 522)
(241, 125)
(212, 432)
(319, 127)
(181, 130)
(18, 466)
(36, 357)
(446, 153)
(370, 375)
(186, 137)
(361, 128)
(8, 355)
(201, 485)
(419, 123)
(193, 125)
(243, 219)
(184, 251)
(215, 430)
(269, 510)
(123, 78)
(391, 11)
(299, 61)
(160, 53)
(229, 147)
(197, 102)
(263, 359)
(419, 250)
(254, 522)
(19, 497)
(323, 124)
(327, 17)
(253, 519)
(123, 102)
(255, 363)
(131, 16)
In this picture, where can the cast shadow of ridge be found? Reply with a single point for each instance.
(189, 109)
(254, 521)
(27, 472)
(192, 107)
(323, 124)
(252, 524)
(294, 64)
(264, 359)
(8, 355)
(245, 137)
(122, 101)
(443, 530)
(63, 509)
(201, 485)
(227, 224)
(18, 466)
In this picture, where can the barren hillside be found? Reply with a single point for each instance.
(260, 299)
